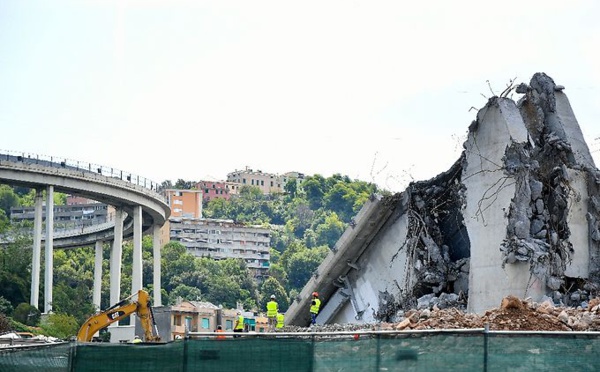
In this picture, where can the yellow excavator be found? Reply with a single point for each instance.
(138, 303)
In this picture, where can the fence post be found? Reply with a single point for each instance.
(185, 354)
(486, 332)
(378, 356)
(312, 350)
(72, 357)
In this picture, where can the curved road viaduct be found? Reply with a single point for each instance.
(139, 209)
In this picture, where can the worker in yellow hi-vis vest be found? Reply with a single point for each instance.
(239, 324)
(272, 310)
(315, 304)
(280, 318)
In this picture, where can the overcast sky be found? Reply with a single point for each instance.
(380, 91)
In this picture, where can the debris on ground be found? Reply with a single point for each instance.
(513, 314)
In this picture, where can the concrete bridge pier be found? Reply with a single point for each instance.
(136, 266)
(115, 258)
(136, 275)
(97, 275)
(37, 249)
(156, 259)
(49, 254)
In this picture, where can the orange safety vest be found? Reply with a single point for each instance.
(220, 337)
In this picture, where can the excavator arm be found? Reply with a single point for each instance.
(140, 307)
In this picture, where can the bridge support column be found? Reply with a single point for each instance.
(136, 277)
(97, 276)
(136, 266)
(49, 270)
(156, 256)
(37, 249)
(115, 258)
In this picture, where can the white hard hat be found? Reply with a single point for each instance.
(272, 296)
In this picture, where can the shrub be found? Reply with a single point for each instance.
(27, 314)
(4, 324)
(60, 326)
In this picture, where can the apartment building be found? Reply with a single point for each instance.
(217, 189)
(184, 203)
(222, 239)
(82, 214)
(268, 183)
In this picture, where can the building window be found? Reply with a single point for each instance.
(262, 183)
(205, 323)
(228, 324)
(177, 320)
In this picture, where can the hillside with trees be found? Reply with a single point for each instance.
(305, 223)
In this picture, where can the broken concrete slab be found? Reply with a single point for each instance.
(517, 214)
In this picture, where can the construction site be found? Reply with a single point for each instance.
(492, 265)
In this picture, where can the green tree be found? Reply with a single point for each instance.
(272, 287)
(184, 185)
(8, 199)
(278, 272)
(340, 199)
(186, 293)
(26, 314)
(310, 238)
(223, 290)
(291, 187)
(4, 221)
(28, 199)
(314, 187)
(61, 326)
(293, 247)
(4, 324)
(303, 264)
(218, 208)
(330, 231)
(5, 306)
(15, 272)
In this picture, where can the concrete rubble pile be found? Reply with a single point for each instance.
(513, 314)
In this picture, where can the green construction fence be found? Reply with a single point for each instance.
(472, 350)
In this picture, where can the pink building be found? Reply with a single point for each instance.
(217, 189)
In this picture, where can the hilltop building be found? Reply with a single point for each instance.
(217, 189)
(268, 183)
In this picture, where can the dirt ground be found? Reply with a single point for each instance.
(513, 314)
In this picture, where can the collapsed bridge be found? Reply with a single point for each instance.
(517, 214)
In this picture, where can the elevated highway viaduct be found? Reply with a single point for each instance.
(139, 209)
